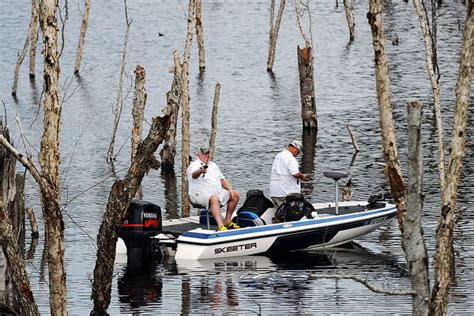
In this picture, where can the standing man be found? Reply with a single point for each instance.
(208, 187)
(286, 176)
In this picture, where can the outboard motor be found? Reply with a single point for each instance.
(142, 221)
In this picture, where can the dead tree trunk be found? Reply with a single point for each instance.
(200, 35)
(82, 36)
(308, 103)
(23, 296)
(118, 99)
(49, 159)
(215, 107)
(139, 102)
(120, 196)
(350, 19)
(273, 34)
(19, 208)
(444, 254)
(394, 171)
(417, 256)
(431, 66)
(21, 57)
(33, 36)
(185, 112)
(174, 100)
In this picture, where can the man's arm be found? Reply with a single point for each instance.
(301, 176)
(226, 185)
(196, 173)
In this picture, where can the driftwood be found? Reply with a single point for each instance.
(139, 103)
(349, 9)
(416, 254)
(120, 196)
(82, 36)
(200, 35)
(444, 254)
(273, 33)
(215, 106)
(431, 66)
(118, 99)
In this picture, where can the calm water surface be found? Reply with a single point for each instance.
(258, 115)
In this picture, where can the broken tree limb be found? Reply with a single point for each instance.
(21, 57)
(215, 107)
(82, 36)
(32, 219)
(273, 33)
(353, 138)
(118, 202)
(200, 36)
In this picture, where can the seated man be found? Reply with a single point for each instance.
(208, 187)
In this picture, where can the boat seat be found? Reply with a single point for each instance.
(335, 175)
(249, 219)
(205, 215)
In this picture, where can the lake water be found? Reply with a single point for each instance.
(258, 115)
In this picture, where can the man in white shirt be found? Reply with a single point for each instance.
(286, 176)
(208, 187)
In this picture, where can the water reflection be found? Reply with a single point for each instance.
(139, 290)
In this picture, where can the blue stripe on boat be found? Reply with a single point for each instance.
(257, 229)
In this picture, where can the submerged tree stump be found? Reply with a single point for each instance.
(308, 103)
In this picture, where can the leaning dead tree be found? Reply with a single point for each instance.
(174, 100)
(431, 67)
(23, 301)
(305, 68)
(33, 36)
(215, 107)
(138, 109)
(185, 146)
(349, 9)
(444, 254)
(82, 36)
(118, 100)
(21, 57)
(200, 35)
(121, 194)
(387, 128)
(273, 34)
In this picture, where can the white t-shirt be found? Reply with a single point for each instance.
(282, 181)
(209, 182)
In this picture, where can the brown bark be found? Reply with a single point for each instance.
(432, 73)
(444, 254)
(215, 107)
(416, 253)
(33, 36)
(120, 196)
(33, 223)
(82, 36)
(139, 103)
(350, 19)
(49, 159)
(200, 35)
(397, 184)
(298, 22)
(174, 100)
(308, 103)
(185, 111)
(18, 217)
(23, 296)
(273, 33)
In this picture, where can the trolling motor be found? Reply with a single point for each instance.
(142, 221)
(336, 176)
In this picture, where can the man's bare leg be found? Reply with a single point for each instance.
(231, 205)
(214, 206)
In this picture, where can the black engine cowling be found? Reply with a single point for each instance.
(142, 221)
